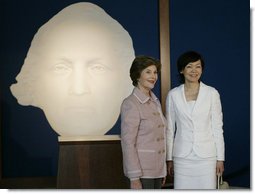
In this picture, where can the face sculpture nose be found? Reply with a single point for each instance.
(79, 82)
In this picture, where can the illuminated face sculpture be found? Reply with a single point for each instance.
(77, 71)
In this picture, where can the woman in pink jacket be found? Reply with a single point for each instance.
(143, 128)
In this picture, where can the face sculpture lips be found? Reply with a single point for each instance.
(87, 110)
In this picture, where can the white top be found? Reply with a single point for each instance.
(191, 105)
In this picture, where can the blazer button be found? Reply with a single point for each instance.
(159, 152)
(158, 139)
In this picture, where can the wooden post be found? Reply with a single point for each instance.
(164, 28)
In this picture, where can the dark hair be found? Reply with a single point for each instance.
(139, 64)
(185, 59)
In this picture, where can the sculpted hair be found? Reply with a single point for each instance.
(139, 64)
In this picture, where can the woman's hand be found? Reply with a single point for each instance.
(135, 184)
(219, 167)
(170, 168)
(163, 181)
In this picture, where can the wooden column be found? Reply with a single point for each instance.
(164, 27)
(90, 163)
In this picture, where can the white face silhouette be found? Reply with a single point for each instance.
(81, 78)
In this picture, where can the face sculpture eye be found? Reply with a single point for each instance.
(98, 69)
(61, 69)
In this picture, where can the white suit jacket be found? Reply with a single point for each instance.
(201, 130)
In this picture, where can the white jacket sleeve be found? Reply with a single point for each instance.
(217, 125)
(170, 115)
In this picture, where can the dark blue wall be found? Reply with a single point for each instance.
(218, 29)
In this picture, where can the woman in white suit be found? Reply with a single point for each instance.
(195, 142)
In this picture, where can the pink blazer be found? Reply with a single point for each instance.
(143, 138)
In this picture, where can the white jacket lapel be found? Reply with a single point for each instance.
(183, 102)
(202, 93)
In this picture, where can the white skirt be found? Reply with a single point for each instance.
(194, 172)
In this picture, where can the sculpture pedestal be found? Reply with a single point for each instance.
(91, 162)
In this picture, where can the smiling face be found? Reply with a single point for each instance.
(192, 72)
(148, 78)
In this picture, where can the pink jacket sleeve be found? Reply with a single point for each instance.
(130, 120)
